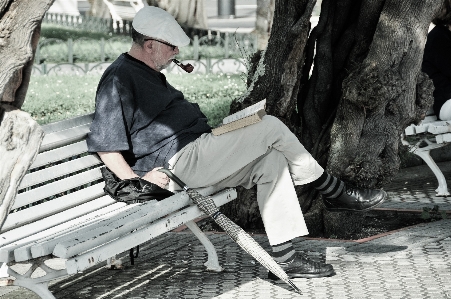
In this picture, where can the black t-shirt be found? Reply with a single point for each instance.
(437, 64)
(139, 114)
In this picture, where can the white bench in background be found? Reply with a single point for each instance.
(62, 211)
(124, 9)
(426, 136)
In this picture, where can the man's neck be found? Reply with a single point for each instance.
(139, 54)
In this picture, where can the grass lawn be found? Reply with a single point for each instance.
(52, 98)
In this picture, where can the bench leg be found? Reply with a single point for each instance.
(442, 189)
(212, 263)
(38, 285)
(4, 271)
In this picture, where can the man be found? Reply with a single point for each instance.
(142, 123)
(437, 61)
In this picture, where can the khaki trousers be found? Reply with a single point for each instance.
(265, 154)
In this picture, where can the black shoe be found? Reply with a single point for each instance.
(354, 199)
(303, 267)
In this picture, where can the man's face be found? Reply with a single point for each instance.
(162, 53)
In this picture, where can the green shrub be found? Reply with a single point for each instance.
(64, 32)
(52, 98)
(213, 93)
(87, 48)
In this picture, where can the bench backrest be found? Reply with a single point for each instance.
(421, 127)
(125, 9)
(63, 176)
(430, 124)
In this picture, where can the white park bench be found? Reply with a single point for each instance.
(426, 136)
(61, 211)
(124, 9)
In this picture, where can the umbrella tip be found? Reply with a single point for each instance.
(296, 289)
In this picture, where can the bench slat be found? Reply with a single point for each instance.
(99, 254)
(410, 130)
(59, 186)
(47, 247)
(108, 229)
(68, 123)
(19, 250)
(51, 221)
(59, 170)
(65, 137)
(444, 138)
(119, 226)
(433, 127)
(60, 154)
(439, 127)
(52, 207)
(423, 126)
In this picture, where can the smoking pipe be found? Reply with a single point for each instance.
(186, 67)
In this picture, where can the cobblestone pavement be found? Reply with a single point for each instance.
(414, 188)
(409, 263)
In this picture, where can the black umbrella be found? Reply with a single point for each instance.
(207, 205)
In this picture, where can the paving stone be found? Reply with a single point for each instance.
(413, 263)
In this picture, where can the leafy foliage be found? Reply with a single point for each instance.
(53, 98)
(64, 32)
(87, 48)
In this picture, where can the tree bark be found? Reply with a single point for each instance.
(187, 12)
(20, 136)
(275, 75)
(263, 22)
(365, 88)
(383, 95)
(99, 9)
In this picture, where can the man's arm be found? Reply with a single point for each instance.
(117, 164)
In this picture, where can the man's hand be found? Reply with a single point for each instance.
(156, 177)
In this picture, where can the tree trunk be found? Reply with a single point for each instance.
(187, 12)
(263, 22)
(365, 88)
(379, 96)
(99, 9)
(275, 75)
(20, 136)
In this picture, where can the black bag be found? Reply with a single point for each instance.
(134, 190)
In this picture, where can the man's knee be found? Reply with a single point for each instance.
(270, 167)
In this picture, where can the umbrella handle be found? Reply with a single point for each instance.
(174, 178)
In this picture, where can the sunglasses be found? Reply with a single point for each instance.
(165, 43)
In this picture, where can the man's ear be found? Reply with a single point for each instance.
(148, 46)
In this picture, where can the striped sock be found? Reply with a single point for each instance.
(284, 252)
(329, 186)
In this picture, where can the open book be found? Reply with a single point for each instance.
(242, 118)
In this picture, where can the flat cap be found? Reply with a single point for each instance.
(157, 23)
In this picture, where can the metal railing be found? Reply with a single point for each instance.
(209, 51)
(88, 23)
(203, 66)
(52, 50)
(122, 27)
